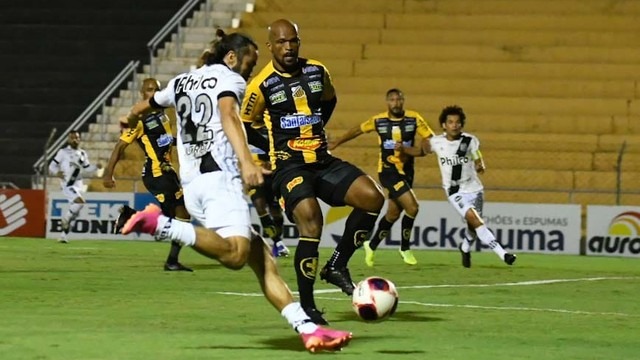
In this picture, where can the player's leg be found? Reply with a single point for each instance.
(279, 295)
(269, 228)
(409, 203)
(345, 184)
(295, 187)
(168, 192)
(465, 205)
(76, 203)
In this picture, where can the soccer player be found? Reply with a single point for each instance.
(154, 136)
(70, 164)
(395, 171)
(460, 163)
(211, 146)
(294, 98)
(266, 203)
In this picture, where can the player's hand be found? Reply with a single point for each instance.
(108, 181)
(252, 174)
(60, 174)
(399, 147)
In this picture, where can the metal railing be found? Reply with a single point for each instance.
(130, 70)
(175, 21)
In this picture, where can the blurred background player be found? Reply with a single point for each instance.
(460, 163)
(395, 170)
(215, 164)
(266, 203)
(294, 98)
(71, 164)
(155, 138)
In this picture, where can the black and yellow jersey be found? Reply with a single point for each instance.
(154, 136)
(393, 130)
(290, 108)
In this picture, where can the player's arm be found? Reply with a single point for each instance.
(424, 131)
(54, 165)
(234, 130)
(354, 132)
(329, 100)
(476, 155)
(107, 178)
(252, 109)
(161, 99)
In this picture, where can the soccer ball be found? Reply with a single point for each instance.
(375, 298)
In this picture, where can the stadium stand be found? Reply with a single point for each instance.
(55, 58)
(549, 86)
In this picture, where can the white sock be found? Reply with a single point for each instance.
(487, 238)
(180, 231)
(466, 245)
(74, 211)
(298, 319)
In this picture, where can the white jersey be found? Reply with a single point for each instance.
(456, 160)
(202, 144)
(74, 164)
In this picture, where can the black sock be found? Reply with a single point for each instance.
(407, 229)
(382, 233)
(268, 226)
(173, 253)
(356, 231)
(306, 265)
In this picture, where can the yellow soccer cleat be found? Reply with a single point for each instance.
(368, 254)
(408, 258)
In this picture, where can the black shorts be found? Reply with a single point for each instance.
(265, 191)
(329, 181)
(396, 183)
(167, 190)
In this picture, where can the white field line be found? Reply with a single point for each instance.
(512, 308)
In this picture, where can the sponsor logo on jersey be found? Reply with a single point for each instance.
(315, 86)
(278, 97)
(296, 121)
(304, 144)
(250, 104)
(456, 160)
(160, 198)
(270, 81)
(164, 140)
(310, 68)
(191, 82)
(389, 144)
(295, 182)
(298, 92)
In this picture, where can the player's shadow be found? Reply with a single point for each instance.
(412, 316)
(208, 266)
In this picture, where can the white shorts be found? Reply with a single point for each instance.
(462, 202)
(71, 192)
(217, 202)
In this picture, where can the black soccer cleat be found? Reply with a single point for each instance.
(316, 316)
(338, 277)
(466, 257)
(176, 267)
(126, 213)
(509, 259)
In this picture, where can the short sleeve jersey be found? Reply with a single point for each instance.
(202, 144)
(392, 130)
(457, 162)
(290, 108)
(153, 134)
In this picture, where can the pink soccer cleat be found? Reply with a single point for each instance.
(144, 221)
(326, 339)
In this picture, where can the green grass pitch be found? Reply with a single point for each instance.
(112, 300)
